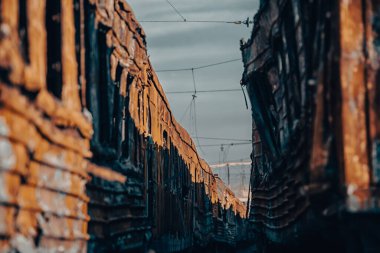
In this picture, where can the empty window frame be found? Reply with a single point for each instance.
(54, 45)
(118, 117)
(106, 88)
(100, 87)
(92, 69)
(23, 30)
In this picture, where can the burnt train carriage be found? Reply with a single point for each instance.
(44, 138)
(311, 71)
(91, 158)
(168, 197)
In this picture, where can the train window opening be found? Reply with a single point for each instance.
(136, 146)
(127, 119)
(294, 77)
(92, 69)
(166, 167)
(131, 142)
(23, 30)
(125, 148)
(77, 22)
(54, 45)
(119, 71)
(139, 107)
(117, 117)
(149, 120)
(165, 139)
(125, 141)
(106, 88)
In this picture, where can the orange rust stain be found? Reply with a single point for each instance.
(70, 94)
(56, 179)
(7, 226)
(43, 140)
(10, 57)
(353, 88)
(319, 155)
(35, 72)
(105, 173)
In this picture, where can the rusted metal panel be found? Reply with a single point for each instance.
(10, 187)
(11, 56)
(48, 201)
(7, 227)
(56, 179)
(70, 95)
(43, 169)
(13, 100)
(35, 71)
(95, 161)
(353, 87)
(311, 72)
(13, 157)
(30, 221)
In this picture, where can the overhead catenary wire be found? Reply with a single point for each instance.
(227, 144)
(246, 22)
(232, 161)
(194, 84)
(192, 72)
(199, 67)
(231, 164)
(195, 112)
(177, 11)
(196, 129)
(223, 139)
(187, 109)
(202, 91)
(192, 105)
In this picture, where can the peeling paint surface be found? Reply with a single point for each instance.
(7, 158)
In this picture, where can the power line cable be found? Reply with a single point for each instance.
(196, 129)
(187, 109)
(227, 144)
(246, 159)
(201, 91)
(194, 84)
(199, 67)
(231, 164)
(226, 152)
(191, 117)
(246, 22)
(223, 139)
(177, 11)
(195, 112)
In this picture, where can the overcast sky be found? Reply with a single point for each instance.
(187, 45)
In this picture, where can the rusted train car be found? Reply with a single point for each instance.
(91, 157)
(312, 74)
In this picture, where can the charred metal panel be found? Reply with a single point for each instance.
(311, 72)
(91, 157)
(170, 191)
